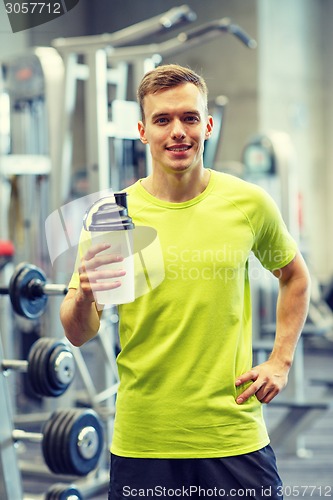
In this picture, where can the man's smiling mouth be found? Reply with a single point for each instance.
(178, 149)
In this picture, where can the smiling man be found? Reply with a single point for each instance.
(189, 406)
(175, 124)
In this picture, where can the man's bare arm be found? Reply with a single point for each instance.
(271, 377)
(79, 314)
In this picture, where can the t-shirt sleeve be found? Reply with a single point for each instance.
(273, 246)
(74, 281)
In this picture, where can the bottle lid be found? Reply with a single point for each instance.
(109, 214)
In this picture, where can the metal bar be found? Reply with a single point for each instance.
(222, 25)
(85, 375)
(10, 484)
(36, 289)
(297, 420)
(25, 419)
(96, 106)
(54, 289)
(15, 364)
(159, 24)
(32, 437)
(107, 393)
(182, 42)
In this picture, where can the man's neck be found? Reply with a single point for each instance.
(177, 188)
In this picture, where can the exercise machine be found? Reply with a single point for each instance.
(270, 161)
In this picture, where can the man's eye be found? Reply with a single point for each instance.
(161, 121)
(192, 119)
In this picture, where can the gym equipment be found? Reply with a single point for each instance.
(158, 25)
(270, 161)
(7, 252)
(72, 441)
(28, 290)
(60, 491)
(50, 367)
(104, 64)
(31, 86)
(217, 110)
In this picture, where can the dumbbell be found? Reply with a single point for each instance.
(28, 290)
(72, 441)
(60, 491)
(50, 367)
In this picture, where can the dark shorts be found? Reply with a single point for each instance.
(251, 476)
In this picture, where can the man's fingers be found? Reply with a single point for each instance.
(264, 389)
(100, 260)
(249, 392)
(94, 273)
(95, 249)
(247, 377)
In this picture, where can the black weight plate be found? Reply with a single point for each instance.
(57, 443)
(43, 370)
(61, 446)
(71, 454)
(51, 368)
(49, 442)
(23, 303)
(61, 491)
(52, 493)
(46, 441)
(81, 465)
(12, 289)
(32, 350)
(65, 457)
(34, 363)
(70, 492)
(37, 376)
(33, 354)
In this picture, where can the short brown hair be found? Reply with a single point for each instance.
(168, 76)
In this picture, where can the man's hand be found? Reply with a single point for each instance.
(268, 380)
(78, 312)
(90, 273)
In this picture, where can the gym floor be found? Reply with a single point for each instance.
(309, 477)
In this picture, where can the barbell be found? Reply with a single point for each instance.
(72, 441)
(28, 290)
(50, 366)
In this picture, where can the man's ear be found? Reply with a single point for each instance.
(209, 127)
(142, 132)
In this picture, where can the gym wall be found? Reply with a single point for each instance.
(283, 85)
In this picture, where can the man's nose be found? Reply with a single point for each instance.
(178, 130)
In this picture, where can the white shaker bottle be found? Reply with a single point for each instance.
(108, 221)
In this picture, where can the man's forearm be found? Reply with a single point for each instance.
(79, 318)
(292, 309)
(270, 378)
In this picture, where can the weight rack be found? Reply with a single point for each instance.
(72, 440)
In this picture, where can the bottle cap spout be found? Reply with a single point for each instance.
(109, 214)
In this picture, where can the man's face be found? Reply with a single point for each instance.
(176, 126)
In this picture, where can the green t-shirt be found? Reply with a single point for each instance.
(187, 336)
